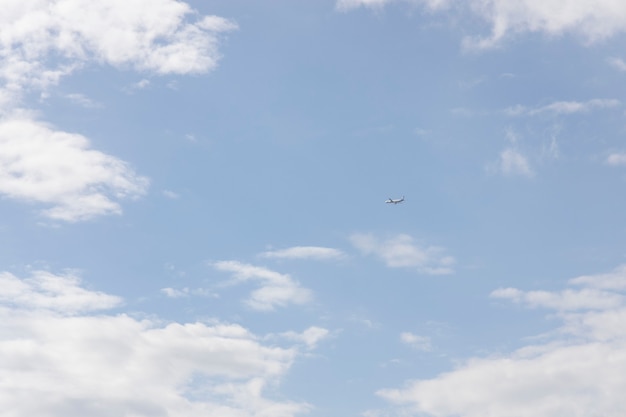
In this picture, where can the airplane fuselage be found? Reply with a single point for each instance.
(396, 201)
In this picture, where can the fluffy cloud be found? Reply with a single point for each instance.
(277, 290)
(402, 251)
(43, 40)
(304, 252)
(76, 364)
(580, 372)
(40, 164)
(590, 20)
(57, 293)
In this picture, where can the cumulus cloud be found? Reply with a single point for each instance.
(614, 280)
(304, 252)
(56, 168)
(41, 40)
(77, 364)
(591, 21)
(276, 289)
(401, 251)
(57, 293)
(579, 371)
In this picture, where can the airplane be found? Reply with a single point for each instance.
(396, 201)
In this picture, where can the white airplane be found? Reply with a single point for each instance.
(396, 201)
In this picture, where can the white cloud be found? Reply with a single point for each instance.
(345, 5)
(277, 290)
(616, 159)
(592, 21)
(171, 194)
(83, 100)
(401, 251)
(416, 342)
(587, 298)
(614, 280)
(310, 337)
(44, 40)
(564, 107)
(513, 162)
(41, 40)
(186, 292)
(58, 293)
(115, 365)
(617, 63)
(59, 169)
(304, 252)
(564, 377)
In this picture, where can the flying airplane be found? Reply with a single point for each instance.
(396, 201)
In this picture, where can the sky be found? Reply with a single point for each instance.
(193, 217)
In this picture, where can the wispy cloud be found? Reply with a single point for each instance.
(276, 289)
(186, 292)
(55, 168)
(569, 299)
(564, 107)
(415, 341)
(83, 364)
(311, 337)
(617, 63)
(590, 21)
(512, 162)
(83, 100)
(171, 194)
(516, 384)
(304, 252)
(401, 251)
(616, 159)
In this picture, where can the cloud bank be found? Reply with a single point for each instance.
(76, 363)
(580, 371)
(42, 41)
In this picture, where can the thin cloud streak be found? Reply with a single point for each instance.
(304, 252)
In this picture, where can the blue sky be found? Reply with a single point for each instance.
(193, 209)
